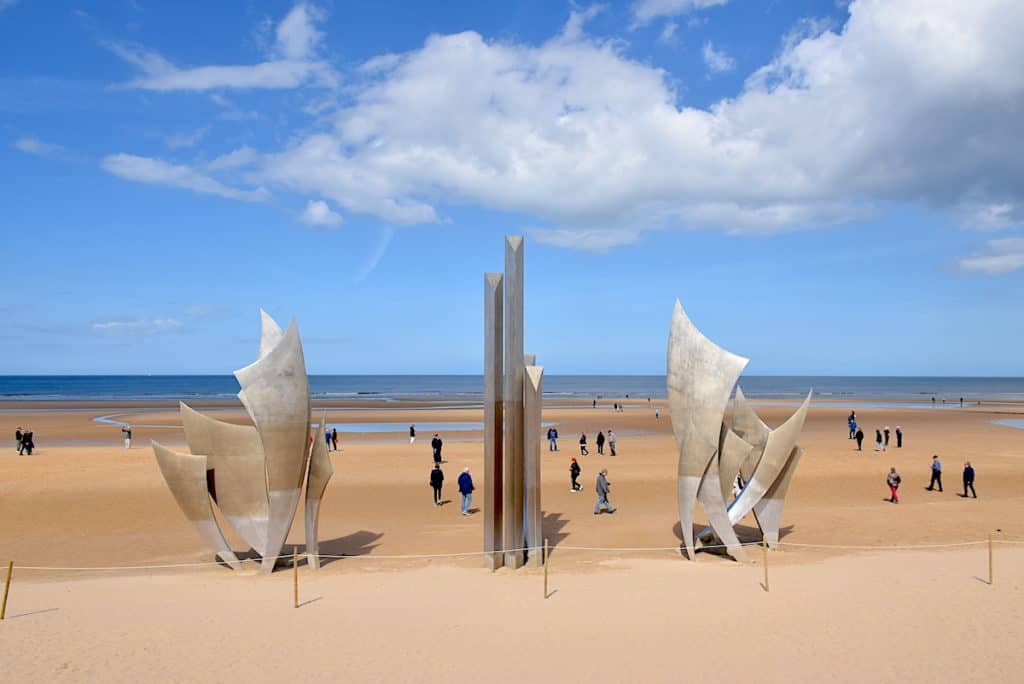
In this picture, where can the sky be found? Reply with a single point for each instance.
(828, 187)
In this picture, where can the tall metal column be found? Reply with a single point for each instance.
(493, 417)
(513, 537)
(532, 405)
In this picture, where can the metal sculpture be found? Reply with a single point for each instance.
(701, 377)
(254, 473)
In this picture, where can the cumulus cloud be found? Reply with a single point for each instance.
(646, 10)
(160, 172)
(997, 257)
(37, 147)
(136, 326)
(717, 61)
(317, 213)
(237, 158)
(668, 33)
(293, 62)
(180, 140)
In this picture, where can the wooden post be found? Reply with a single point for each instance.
(764, 556)
(295, 574)
(545, 561)
(7, 588)
(989, 562)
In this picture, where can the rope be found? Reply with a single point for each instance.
(464, 554)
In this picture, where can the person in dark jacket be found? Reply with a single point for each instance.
(574, 475)
(436, 445)
(552, 439)
(334, 438)
(969, 479)
(603, 487)
(28, 442)
(17, 440)
(886, 433)
(436, 480)
(860, 439)
(899, 437)
(878, 440)
(466, 490)
(412, 434)
(583, 445)
(600, 443)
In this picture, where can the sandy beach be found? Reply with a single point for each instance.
(844, 614)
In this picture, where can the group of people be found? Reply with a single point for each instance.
(881, 435)
(603, 487)
(600, 440)
(465, 483)
(893, 480)
(331, 438)
(24, 441)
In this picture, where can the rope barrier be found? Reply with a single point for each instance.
(465, 554)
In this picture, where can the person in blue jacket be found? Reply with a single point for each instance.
(466, 489)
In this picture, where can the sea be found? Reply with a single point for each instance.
(386, 388)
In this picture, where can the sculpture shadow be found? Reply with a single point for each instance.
(746, 534)
(551, 527)
(361, 543)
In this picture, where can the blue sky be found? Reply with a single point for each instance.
(828, 187)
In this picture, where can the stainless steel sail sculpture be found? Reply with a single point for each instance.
(254, 473)
(701, 377)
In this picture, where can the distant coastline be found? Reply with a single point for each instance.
(385, 388)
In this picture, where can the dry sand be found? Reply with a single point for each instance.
(838, 614)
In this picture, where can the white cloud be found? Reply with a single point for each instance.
(717, 61)
(317, 213)
(292, 64)
(136, 326)
(646, 10)
(180, 140)
(237, 158)
(159, 172)
(37, 147)
(995, 216)
(595, 240)
(668, 33)
(998, 257)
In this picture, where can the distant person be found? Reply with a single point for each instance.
(594, 404)
(860, 439)
(961, 402)
(936, 473)
(574, 475)
(600, 443)
(28, 442)
(969, 479)
(126, 432)
(852, 424)
(886, 433)
(615, 407)
(648, 401)
(893, 480)
(436, 445)
(327, 439)
(853, 416)
(334, 438)
(933, 402)
(436, 480)
(878, 440)
(611, 441)
(602, 493)
(583, 445)
(412, 434)
(552, 439)
(657, 414)
(466, 490)
(899, 437)
(17, 440)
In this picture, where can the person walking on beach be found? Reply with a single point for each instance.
(969, 479)
(574, 475)
(603, 487)
(878, 440)
(611, 441)
(860, 439)
(594, 404)
(852, 424)
(28, 442)
(327, 439)
(552, 439)
(583, 445)
(17, 440)
(893, 480)
(961, 402)
(436, 445)
(436, 480)
(126, 432)
(899, 437)
(886, 433)
(334, 438)
(933, 402)
(466, 490)
(936, 473)
(657, 414)
(600, 443)
(412, 433)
